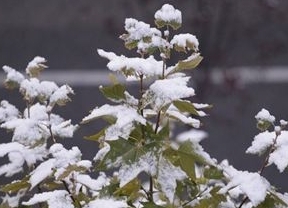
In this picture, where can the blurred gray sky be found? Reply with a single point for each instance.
(68, 32)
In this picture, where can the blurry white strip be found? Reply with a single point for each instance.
(244, 75)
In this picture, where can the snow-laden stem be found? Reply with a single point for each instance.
(264, 165)
(78, 204)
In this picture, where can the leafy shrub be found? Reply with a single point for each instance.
(152, 166)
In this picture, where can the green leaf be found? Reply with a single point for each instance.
(15, 186)
(189, 63)
(213, 173)
(97, 136)
(130, 190)
(271, 201)
(150, 205)
(161, 23)
(263, 125)
(185, 106)
(213, 201)
(114, 92)
(70, 169)
(118, 148)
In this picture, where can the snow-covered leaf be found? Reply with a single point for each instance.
(126, 118)
(16, 186)
(107, 203)
(13, 77)
(164, 92)
(36, 66)
(115, 92)
(54, 199)
(254, 186)
(60, 96)
(184, 42)
(168, 15)
(8, 111)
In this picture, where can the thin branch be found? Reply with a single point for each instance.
(71, 195)
(264, 165)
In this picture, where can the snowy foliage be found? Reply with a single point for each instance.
(140, 162)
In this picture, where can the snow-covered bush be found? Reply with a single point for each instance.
(142, 160)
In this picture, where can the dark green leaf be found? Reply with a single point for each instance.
(114, 92)
(70, 169)
(213, 173)
(16, 185)
(185, 106)
(97, 136)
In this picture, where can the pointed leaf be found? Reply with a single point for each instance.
(185, 106)
(97, 136)
(70, 169)
(114, 92)
(16, 186)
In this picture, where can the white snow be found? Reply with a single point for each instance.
(106, 203)
(102, 152)
(254, 186)
(13, 75)
(133, 66)
(8, 111)
(60, 96)
(185, 41)
(29, 88)
(46, 89)
(54, 199)
(174, 113)
(138, 30)
(283, 122)
(37, 64)
(167, 176)
(94, 184)
(125, 117)
(193, 135)
(261, 143)
(64, 129)
(163, 92)
(264, 115)
(146, 163)
(43, 171)
(169, 14)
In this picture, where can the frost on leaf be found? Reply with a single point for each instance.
(168, 15)
(133, 66)
(54, 199)
(254, 186)
(36, 66)
(167, 176)
(13, 77)
(163, 92)
(125, 119)
(8, 111)
(264, 119)
(106, 203)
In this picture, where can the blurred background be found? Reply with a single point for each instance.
(245, 66)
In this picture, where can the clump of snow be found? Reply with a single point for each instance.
(261, 143)
(8, 111)
(64, 129)
(125, 116)
(102, 152)
(13, 201)
(174, 113)
(94, 184)
(280, 155)
(106, 203)
(60, 96)
(133, 66)
(13, 75)
(36, 65)
(18, 154)
(264, 115)
(193, 135)
(163, 92)
(138, 30)
(167, 176)
(185, 41)
(283, 123)
(254, 186)
(146, 163)
(42, 171)
(54, 199)
(169, 14)
(46, 89)
(29, 88)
